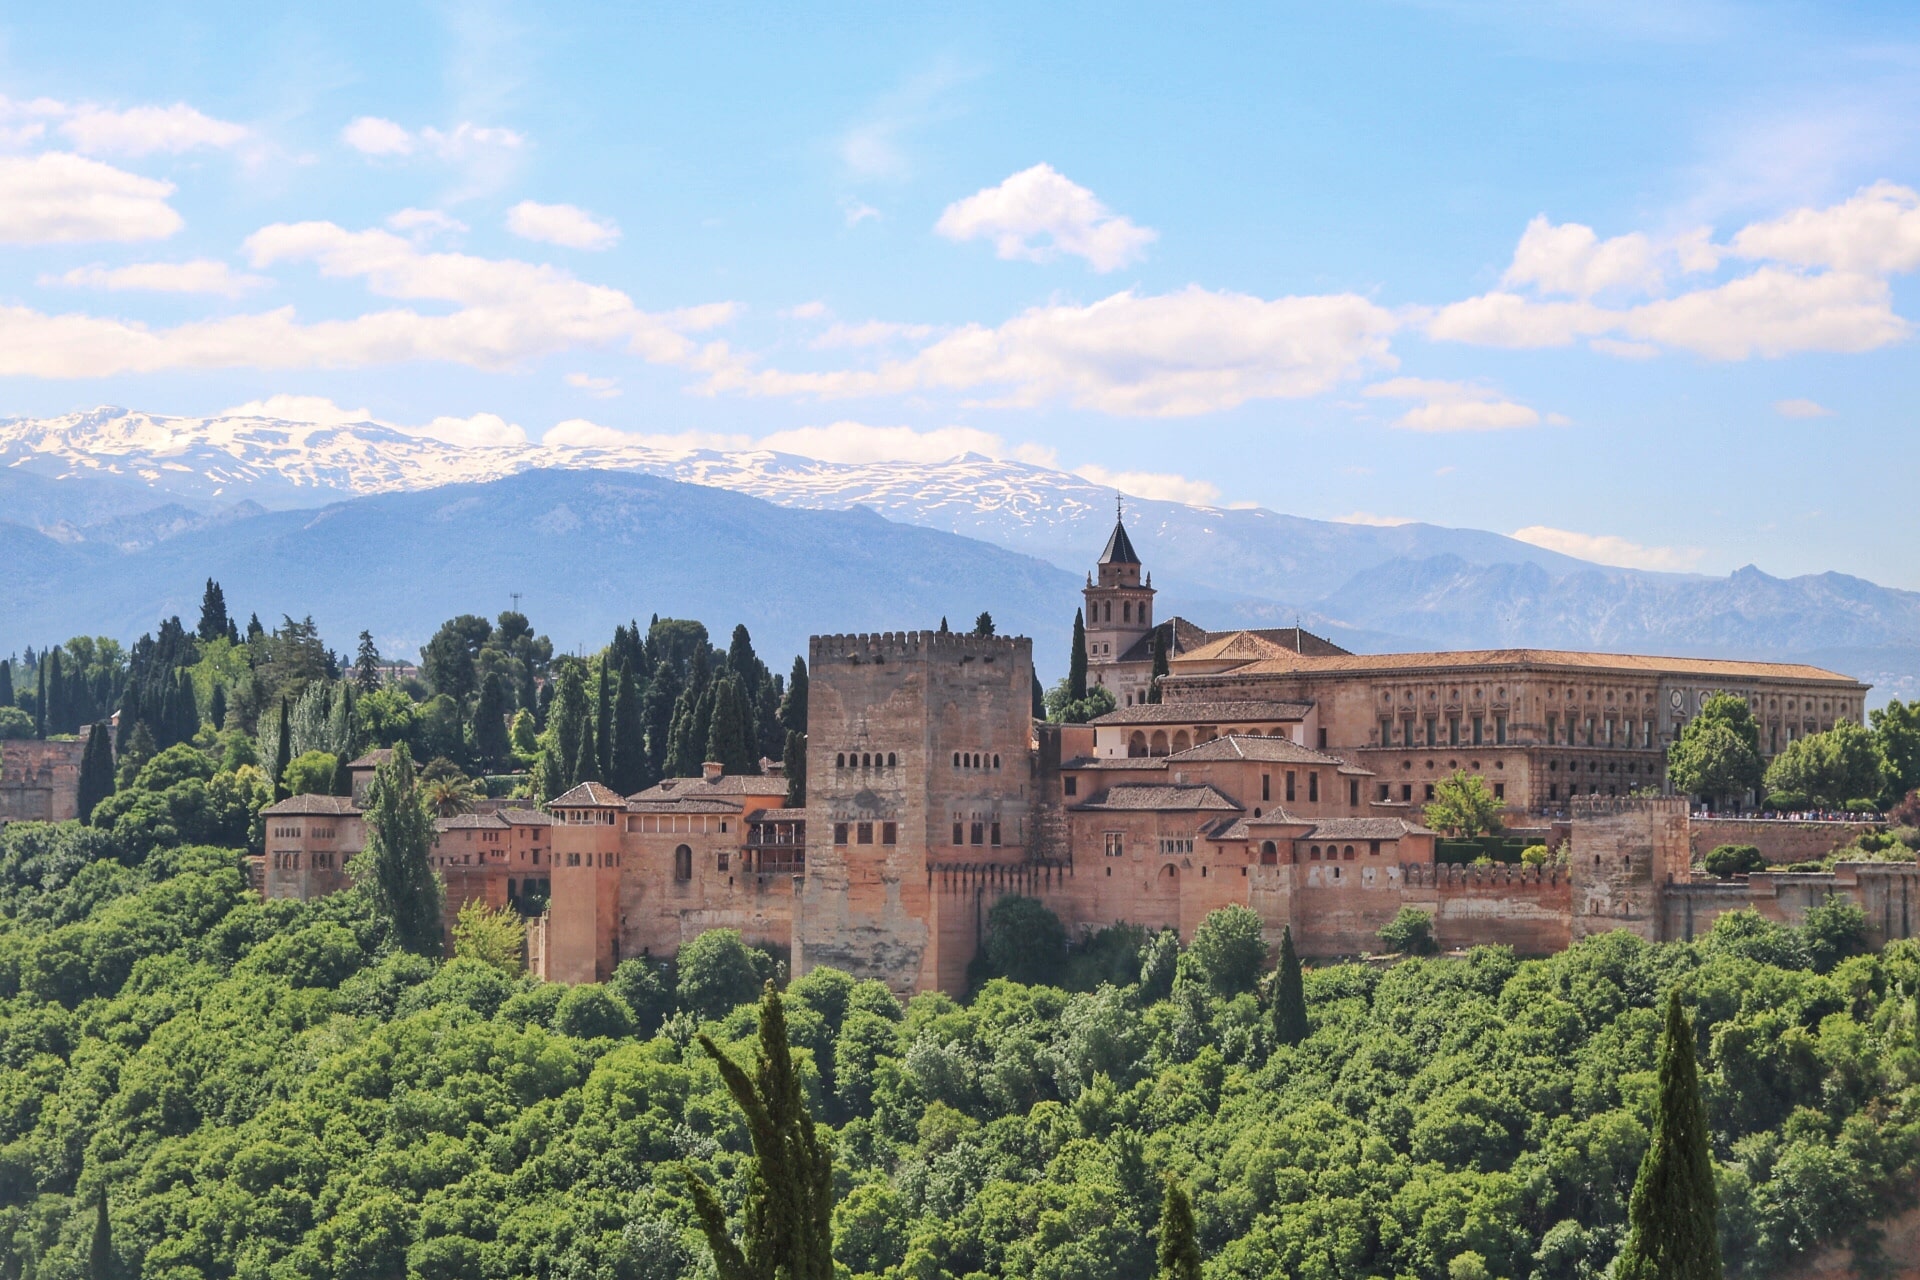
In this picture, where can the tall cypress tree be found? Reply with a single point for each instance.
(490, 743)
(569, 719)
(96, 770)
(1673, 1233)
(603, 718)
(40, 704)
(787, 1228)
(214, 623)
(53, 670)
(793, 705)
(1039, 700)
(1179, 1252)
(283, 753)
(1289, 996)
(656, 711)
(729, 733)
(794, 762)
(1077, 660)
(586, 765)
(100, 1251)
(394, 867)
(6, 682)
(627, 756)
(1159, 664)
(366, 664)
(217, 707)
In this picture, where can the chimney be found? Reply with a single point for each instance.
(712, 770)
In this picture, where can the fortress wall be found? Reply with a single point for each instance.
(1625, 851)
(1778, 842)
(1525, 908)
(40, 780)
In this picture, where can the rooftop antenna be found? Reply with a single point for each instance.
(1119, 508)
(1297, 647)
(515, 597)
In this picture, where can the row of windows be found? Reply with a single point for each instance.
(603, 859)
(1406, 791)
(290, 861)
(979, 833)
(863, 760)
(1475, 732)
(975, 760)
(862, 832)
(1102, 611)
(1176, 846)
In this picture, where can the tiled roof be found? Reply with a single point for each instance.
(316, 806)
(1119, 548)
(1196, 711)
(525, 817)
(1541, 659)
(727, 784)
(589, 794)
(1243, 645)
(468, 821)
(1241, 746)
(777, 815)
(1364, 829)
(1115, 762)
(1166, 799)
(373, 759)
(685, 804)
(1186, 637)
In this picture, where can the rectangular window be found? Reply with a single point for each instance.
(722, 859)
(1453, 731)
(1116, 843)
(1313, 785)
(1266, 786)
(1386, 792)
(993, 835)
(1071, 785)
(863, 833)
(1590, 731)
(1429, 791)
(1289, 786)
(1433, 732)
(959, 834)
(1323, 739)
(1553, 728)
(1353, 792)
(1386, 731)
(1553, 791)
(1477, 735)
(839, 833)
(1175, 846)
(889, 833)
(1500, 731)
(1499, 791)
(1406, 791)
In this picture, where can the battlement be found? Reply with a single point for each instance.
(913, 646)
(1500, 876)
(1590, 807)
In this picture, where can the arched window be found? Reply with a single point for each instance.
(866, 761)
(1126, 611)
(956, 759)
(683, 863)
(890, 760)
(1314, 853)
(840, 760)
(1346, 851)
(1181, 741)
(996, 762)
(1269, 854)
(1159, 744)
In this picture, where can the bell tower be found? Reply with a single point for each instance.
(1119, 602)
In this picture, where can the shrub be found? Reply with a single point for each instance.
(1734, 860)
(591, 1012)
(1230, 949)
(1025, 942)
(1410, 933)
(716, 974)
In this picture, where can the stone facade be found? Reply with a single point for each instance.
(1779, 841)
(40, 780)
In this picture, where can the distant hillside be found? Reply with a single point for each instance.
(586, 550)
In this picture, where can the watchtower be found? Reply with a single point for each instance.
(919, 753)
(1119, 600)
(1625, 851)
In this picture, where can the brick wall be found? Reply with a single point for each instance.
(1779, 842)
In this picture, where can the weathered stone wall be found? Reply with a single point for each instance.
(40, 781)
(1625, 851)
(584, 916)
(1779, 842)
(1526, 908)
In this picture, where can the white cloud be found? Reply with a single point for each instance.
(1038, 213)
(860, 442)
(290, 408)
(1570, 258)
(814, 310)
(424, 223)
(1877, 232)
(202, 275)
(1800, 408)
(563, 224)
(374, 137)
(857, 211)
(604, 388)
(1610, 549)
(1190, 352)
(141, 131)
(505, 312)
(482, 430)
(1453, 406)
(1163, 486)
(57, 198)
(870, 333)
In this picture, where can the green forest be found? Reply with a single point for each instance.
(196, 1083)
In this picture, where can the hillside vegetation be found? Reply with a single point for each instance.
(269, 1090)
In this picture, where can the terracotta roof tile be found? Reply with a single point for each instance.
(1201, 711)
(1166, 799)
(1539, 659)
(728, 784)
(589, 795)
(1253, 747)
(316, 806)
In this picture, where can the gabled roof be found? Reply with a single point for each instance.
(727, 784)
(469, 821)
(1254, 747)
(525, 817)
(589, 795)
(1364, 829)
(1137, 797)
(1119, 549)
(685, 804)
(1539, 659)
(1195, 712)
(313, 806)
(373, 759)
(1244, 646)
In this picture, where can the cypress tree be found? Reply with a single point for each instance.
(214, 623)
(944, 629)
(1159, 664)
(787, 1229)
(283, 753)
(983, 625)
(138, 751)
(40, 705)
(1672, 1229)
(1289, 997)
(490, 743)
(656, 711)
(741, 659)
(96, 770)
(1039, 700)
(1179, 1252)
(217, 707)
(254, 629)
(56, 697)
(627, 756)
(728, 735)
(602, 719)
(586, 766)
(568, 721)
(366, 664)
(795, 762)
(406, 891)
(6, 682)
(1077, 660)
(186, 708)
(793, 705)
(100, 1251)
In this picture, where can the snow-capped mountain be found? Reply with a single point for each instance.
(129, 480)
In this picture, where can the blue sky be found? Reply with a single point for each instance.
(1633, 279)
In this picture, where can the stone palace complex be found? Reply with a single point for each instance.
(1278, 771)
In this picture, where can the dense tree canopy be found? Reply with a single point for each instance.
(1717, 755)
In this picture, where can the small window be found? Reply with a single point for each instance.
(1314, 853)
(956, 759)
(1313, 785)
(994, 835)
(683, 863)
(890, 759)
(1266, 786)
(1406, 791)
(959, 834)
(1499, 791)
(1289, 786)
(723, 859)
(839, 833)
(996, 762)
(979, 833)
(840, 760)
(863, 833)
(1071, 786)
(1353, 792)
(1116, 844)
(889, 833)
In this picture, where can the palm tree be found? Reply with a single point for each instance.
(447, 791)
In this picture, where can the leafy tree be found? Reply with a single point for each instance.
(214, 623)
(366, 664)
(592, 1012)
(1410, 932)
(1464, 805)
(788, 1223)
(448, 660)
(1717, 755)
(983, 625)
(1159, 965)
(1230, 949)
(1179, 1252)
(1289, 994)
(1062, 708)
(310, 774)
(716, 973)
(1077, 661)
(1896, 731)
(14, 723)
(394, 866)
(1834, 930)
(1734, 860)
(491, 746)
(1673, 1232)
(1025, 941)
(1831, 768)
(524, 736)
